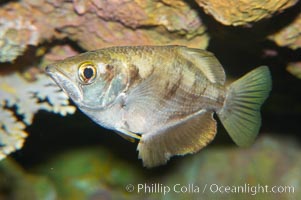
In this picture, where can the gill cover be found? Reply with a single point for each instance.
(111, 80)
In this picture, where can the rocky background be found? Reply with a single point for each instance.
(51, 151)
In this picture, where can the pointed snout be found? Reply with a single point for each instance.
(50, 70)
(65, 81)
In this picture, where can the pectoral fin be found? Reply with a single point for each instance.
(130, 136)
(126, 137)
(188, 136)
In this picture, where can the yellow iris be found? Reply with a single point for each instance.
(87, 72)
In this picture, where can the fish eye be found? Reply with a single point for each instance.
(87, 72)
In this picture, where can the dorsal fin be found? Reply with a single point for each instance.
(206, 62)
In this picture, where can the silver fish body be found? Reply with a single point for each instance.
(164, 96)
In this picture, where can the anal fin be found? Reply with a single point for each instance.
(188, 136)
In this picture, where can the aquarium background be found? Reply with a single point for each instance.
(50, 150)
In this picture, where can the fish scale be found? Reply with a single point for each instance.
(164, 97)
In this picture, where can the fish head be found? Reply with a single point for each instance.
(92, 80)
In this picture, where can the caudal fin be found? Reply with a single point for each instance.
(241, 112)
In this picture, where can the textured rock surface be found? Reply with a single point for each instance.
(94, 173)
(289, 36)
(89, 24)
(15, 183)
(16, 33)
(53, 26)
(242, 12)
(95, 24)
(295, 69)
(271, 162)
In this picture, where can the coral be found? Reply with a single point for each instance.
(12, 133)
(91, 24)
(105, 178)
(295, 69)
(96, 173)
(270, 162)
(95, 24)
(51, 27)
(15, 183)
(289, 36)
(27, 98)
(243, 12)
(128, 23)
(58, 52)
(16, 33)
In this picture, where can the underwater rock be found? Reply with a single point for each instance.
(137, 22)
(94, 173)
(269, 162)
(90, 24)
(96, 24)
(15, 183)
(243, 12)
(58, 52)
(289, 36)
(295, 69)
(16, 33)
(91, 173)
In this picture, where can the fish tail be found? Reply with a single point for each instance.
(241, 112)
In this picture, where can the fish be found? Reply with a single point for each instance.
(163, 97)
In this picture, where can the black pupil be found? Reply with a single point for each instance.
(88, 73)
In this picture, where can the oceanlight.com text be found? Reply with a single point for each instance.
(159, 188)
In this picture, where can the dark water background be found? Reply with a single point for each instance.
(238, 49)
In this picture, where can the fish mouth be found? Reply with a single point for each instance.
(65, 83)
